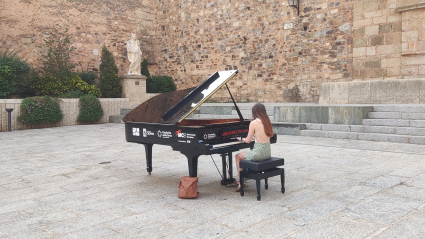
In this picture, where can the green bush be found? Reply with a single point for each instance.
(14, 75)
(160, 84)
(72, 94)
(6, 85)
(40, 86)
(56, 51)
(156, 84)
(110, 84)
(88, 76)
(144, 70)
(37, 110)
(76, 83)
(90, 109)
(50, 86)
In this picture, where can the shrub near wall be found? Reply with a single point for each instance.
(51, 86)
(37, 110)
(160, 84)
(90, 109)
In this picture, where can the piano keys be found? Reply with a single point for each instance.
(161, 120)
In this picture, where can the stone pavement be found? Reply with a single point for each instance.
(53, 185)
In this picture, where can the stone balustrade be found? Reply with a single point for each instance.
(111, 106)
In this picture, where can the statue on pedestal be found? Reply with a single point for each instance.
(134, 55)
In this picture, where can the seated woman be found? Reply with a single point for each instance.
(261, 130)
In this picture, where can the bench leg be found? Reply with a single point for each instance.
(266, 185)
(282, 180)
(241, 183)
(258, 189)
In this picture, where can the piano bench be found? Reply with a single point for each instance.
(262, 170)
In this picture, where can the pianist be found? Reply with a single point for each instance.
(261, 130)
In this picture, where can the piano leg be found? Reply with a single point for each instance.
(148, 151)
(193, 165)
(224, 164)
(231, 166)
(227, 180)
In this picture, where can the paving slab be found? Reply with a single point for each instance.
(86, 181)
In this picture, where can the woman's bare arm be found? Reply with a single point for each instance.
(250, 132)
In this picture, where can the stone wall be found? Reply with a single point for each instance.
(273, 48)
(281, 56)
(389, 91)
(91, 24)
(389, 39)
(69, 108)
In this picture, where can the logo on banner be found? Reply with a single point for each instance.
(180, 134)
(136, 132)
(209, 136)
(147, 132)
(164, 134)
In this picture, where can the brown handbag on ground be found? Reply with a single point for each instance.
(188, 187)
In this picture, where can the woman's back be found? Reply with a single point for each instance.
(259, 132)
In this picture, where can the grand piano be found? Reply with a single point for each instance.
(147, 124)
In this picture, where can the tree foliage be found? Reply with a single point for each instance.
(56, 52)
(51, 86)
(160, 84)
(88, 76)
(157, 84)
(14, 75)
(144, 68)
(110, 84)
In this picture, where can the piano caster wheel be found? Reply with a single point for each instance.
(266, 186)
(242, 193)
(149, 173)
(258, 197)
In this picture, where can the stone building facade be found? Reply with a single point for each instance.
(281, 55)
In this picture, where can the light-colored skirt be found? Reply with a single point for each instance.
(260, 152)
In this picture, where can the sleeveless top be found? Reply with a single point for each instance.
(261, 151)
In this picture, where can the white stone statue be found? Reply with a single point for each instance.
(134, 55)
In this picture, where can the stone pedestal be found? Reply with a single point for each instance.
(134, 88)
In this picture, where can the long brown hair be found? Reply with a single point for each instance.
(259, 111)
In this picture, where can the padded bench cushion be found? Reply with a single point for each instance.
(262, 165)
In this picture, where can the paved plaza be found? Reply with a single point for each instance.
(88, 182)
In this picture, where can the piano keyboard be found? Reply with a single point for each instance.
(227, 144)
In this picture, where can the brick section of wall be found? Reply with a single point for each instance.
(198, 38)
(377, 40)
(91, 25)
(389, 39)
(413, 38)
(69, 108)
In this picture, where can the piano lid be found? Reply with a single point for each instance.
(200, 94)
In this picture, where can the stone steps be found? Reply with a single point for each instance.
(414, 131)
(396, 138)
(394, 122)
(387, 123)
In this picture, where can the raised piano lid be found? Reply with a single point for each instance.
(200, 94)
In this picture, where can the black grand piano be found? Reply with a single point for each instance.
(147, 124)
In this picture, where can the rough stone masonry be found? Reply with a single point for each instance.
(281, 55)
